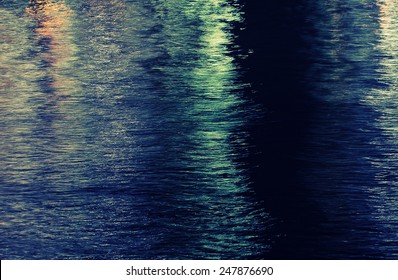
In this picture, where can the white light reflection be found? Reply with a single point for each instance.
(385, 101)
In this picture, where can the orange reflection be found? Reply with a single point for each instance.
(54, 31)
(387, 8)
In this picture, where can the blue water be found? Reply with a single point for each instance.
(198, 129)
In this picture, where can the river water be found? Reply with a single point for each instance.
(206, 129)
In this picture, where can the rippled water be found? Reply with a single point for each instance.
(353, 145)
(198, 129)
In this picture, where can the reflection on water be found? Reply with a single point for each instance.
(385, 103)
(352, 151)
(132, 149)
(19, 72)
(126, 132)
(53, 35)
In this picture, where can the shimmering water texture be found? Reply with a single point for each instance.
(156, 129)
(121, 132)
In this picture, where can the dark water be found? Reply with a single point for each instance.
(176, 129)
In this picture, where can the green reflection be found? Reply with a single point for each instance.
(198, 40)
(212, 78)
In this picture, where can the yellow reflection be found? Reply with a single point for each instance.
(33, 125)
(53, 26)
(388, 13)
(33, 135)
(54, 38)
(385, 99)
(388, 20)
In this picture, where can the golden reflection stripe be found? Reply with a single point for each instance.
(54, 20)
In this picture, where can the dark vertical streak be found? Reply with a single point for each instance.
(276, 64)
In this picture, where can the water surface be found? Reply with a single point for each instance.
(198, 129)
